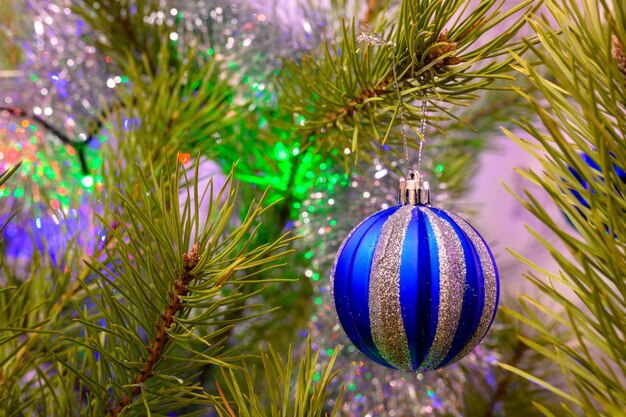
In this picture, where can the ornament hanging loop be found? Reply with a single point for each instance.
(414, 190)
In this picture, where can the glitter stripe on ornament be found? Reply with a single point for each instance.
(492, 290)
(473, 296)
(384, 292)
(451, 286)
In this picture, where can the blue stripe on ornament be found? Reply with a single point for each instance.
(351, 303)
(429, 287)
(473, 296)
(360, 283)
(409, 267)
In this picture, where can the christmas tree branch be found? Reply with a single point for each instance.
(146, 276)
(156, 348)
(580, 146)
(180, 109)
(293, 389)
(346, 90)
(33, 345)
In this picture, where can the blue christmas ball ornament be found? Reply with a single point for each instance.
(594, 165)
(598, 176)
(415, 287)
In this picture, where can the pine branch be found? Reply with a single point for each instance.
(181, 109)
(99, 343)
(579, 143)
(292, 387)
(33, 345)
(346, 89)
(176, 296)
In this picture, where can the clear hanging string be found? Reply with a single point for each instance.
(371, 37)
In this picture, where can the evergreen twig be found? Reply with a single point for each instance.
(176, 297)
(580, 145)
(345, 90)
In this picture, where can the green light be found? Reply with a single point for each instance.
(49, 172)
(315, 277)
(318, 301)
(297, 205)
(333, 222)
(309, 254)
(96, 163)
(329, 352)
(351, 387)
(19, 193)
(316, 376)
(323, 166)
(33, 128)
(210, 51)
(33, 77)
(439, 168)
(124, 79)
(232, 65)
(281, 152)
(87, 181)
(301, 120)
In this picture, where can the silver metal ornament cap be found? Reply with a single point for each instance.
(414, 190)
